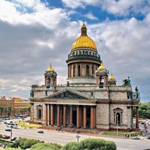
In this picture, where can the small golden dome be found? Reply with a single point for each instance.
(83, 26)
(50, 68)
(111, 77)
(84, 40)
(102, 67)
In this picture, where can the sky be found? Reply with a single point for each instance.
(34, 33)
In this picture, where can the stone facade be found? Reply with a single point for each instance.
(89, 99)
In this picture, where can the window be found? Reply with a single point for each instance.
(87, 70)
(74, 71)
(78, 70)
(118, 120)
(92, 70)
(39, 114)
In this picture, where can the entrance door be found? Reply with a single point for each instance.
(74, 118)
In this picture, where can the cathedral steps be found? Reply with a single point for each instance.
(71, 130)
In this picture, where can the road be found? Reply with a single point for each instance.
(63, 137)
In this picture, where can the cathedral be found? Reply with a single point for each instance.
(90, 99)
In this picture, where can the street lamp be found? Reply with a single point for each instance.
(77, 136)
(117, 125)
(11, 132)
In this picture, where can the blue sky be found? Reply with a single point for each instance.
(35, 33)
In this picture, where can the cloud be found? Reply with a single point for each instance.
(29, 41)
(124, 49)
(117, 7)
(91, 16)
(79, 3)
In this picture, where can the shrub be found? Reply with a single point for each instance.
(71, 146)
(25, 143)
(90, 144)
(109, 145)
(12, 149)
(45, 146)
(6, 143)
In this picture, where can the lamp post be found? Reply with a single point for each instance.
(77, 136)
(117, 125)
(11, 132)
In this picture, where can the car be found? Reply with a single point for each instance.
(8, 130)
(135, 138)
(40, 131)
(5, 137)
(148, 137)
(14, 138)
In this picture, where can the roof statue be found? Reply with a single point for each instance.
(126, 82)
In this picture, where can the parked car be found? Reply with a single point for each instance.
(148, 137)
(135, 138)
(14, 138)
(5, 137)
(8, 130)
(40, 131)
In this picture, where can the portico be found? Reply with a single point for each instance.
(71, 115)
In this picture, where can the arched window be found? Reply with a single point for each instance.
(87, 70)
(39, 114)
(118, 119)
(78, 70)
(118, 115)
(74, 71)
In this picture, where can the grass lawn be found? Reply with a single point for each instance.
(27, 125)
(113, 133)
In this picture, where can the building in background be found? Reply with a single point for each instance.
(90, 99)
(6, 106)
(13, 106)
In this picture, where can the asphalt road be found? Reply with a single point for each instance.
(63, 138)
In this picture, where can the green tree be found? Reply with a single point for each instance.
(109, 145)
(2, 110)
(71, 146)
(9, 111)
(28, 109)
(5, 111)
(45, 146)
(90, 144)
(25, 143)
(144, 110)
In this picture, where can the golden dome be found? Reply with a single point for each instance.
(50, 68)
(84, 40)
(111, 77)
(102, 67)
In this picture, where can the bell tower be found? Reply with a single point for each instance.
(102, 76)
(50, 77)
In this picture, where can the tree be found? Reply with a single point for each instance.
(25, 143)
(71, 146)
(93, 144)
(5, 111)
(9, 111)
(144, 110)
(45, 146)
(2, 110)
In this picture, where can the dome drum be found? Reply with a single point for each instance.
(85, 56)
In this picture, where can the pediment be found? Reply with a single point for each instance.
(67, 95)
